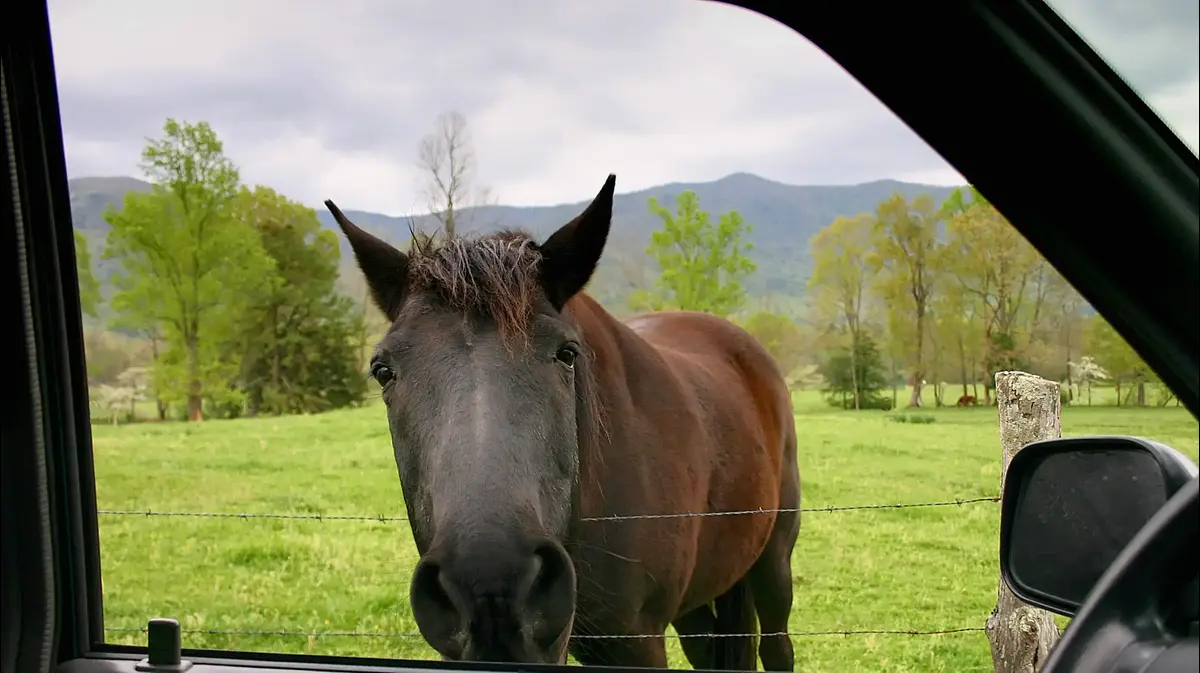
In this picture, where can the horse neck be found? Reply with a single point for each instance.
(610, 343)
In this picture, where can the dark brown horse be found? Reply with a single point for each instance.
(527, 423)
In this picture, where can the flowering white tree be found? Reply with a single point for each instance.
(1086, 371)
(131, 388)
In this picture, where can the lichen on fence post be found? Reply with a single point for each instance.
(1030, 410)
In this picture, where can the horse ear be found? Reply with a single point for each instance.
(570, 255)
(384, 267)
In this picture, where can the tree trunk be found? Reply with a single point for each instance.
(962, 363)
(919, 362)
(158, 403)
(195, 400)
(1029, 408)
(1070, 379)
(895, 389)
(1141, 393)
(854, 370)
(988, 364)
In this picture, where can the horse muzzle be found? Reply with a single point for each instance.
(496, 598)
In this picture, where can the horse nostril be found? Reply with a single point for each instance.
(551, 596)
(438, 618)
(550, 568)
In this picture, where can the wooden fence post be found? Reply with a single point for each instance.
(1029, 408)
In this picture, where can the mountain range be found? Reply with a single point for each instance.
(784, 217)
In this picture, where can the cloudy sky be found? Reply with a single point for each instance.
(327, 99)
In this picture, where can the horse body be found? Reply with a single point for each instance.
(566, 474)
(699, 421)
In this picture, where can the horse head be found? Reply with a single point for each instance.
(485, 376)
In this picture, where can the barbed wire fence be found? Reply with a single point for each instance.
(382, 518)
(367, 634)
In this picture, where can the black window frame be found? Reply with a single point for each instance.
(1051, 108)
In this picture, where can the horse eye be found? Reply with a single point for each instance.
(382, 373)
(566, 356)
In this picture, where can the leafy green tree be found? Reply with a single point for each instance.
(298, 332)
(779, 335)
(909, 252)
(188, 269)
(855, 377)
(843, 266)
(702, 264)
(995, 265)
(89, 289)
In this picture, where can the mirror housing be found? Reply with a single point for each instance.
(1071, 505)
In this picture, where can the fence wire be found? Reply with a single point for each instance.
(381, 518)
(367, 634)
(957, 502)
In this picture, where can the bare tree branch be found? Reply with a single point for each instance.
(447, 156)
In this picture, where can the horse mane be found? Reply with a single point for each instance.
(499, 275)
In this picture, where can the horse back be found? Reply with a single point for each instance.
(741, 401)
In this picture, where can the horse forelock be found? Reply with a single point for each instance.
(495, 275)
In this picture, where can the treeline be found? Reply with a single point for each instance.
(228, 292)
(226, 301)
(915, 295)
(946, 295)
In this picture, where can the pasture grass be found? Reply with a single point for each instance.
(886, 569)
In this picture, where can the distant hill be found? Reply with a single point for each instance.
(784, 218)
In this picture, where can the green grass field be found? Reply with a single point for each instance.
(890, 569)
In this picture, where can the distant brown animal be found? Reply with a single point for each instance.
(526, 421)
(966, 401)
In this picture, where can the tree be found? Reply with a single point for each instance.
(1066, 306)
(297, 335)
(856, 374)
(701, 265)
(1118, 359)
(959, 332)
(906, 238)
(780, 336)
(447, 156)
(995, 264)
(843, 256)
(1086, 372)
(187, 267)
(89, 289)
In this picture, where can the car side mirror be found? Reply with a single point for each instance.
(1071, 505)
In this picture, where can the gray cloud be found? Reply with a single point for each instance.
(1154, 44)
(322, 99)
